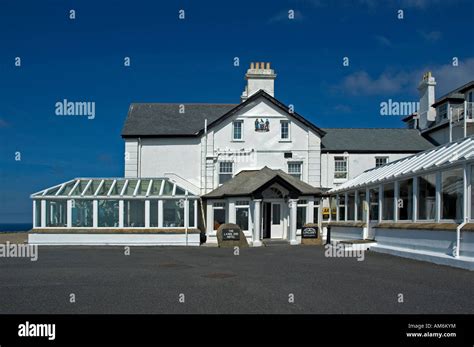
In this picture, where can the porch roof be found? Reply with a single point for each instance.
(253, 182)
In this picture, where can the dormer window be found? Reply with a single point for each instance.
(443, 111)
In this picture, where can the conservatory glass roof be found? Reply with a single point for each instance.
(439, 157)
(118, 187)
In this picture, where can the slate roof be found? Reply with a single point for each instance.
(166, 120)
(247, 182)
(373, 140)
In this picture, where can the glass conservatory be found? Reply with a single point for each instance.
(115, 203)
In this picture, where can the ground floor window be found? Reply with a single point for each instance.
(173, 213)
(360, 205)
(82, 211)
(405, 200)
(37, 213)
(342, 207)
(316, 214)
(56, 213)
(301, 214)
(108, 213)
(219, 214)
(192, 209)
(351, 206)
(134, 213)
(154, 213)
(242, 217)
(452, 188)
(374, 204)
(387, 204)
(426, 197)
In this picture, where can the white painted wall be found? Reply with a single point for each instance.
(357, 164)
(267, 148)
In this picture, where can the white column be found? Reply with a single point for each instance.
(43, 213)
(160, 213)
(256, 225)
(147, 213)
(380, 203)
(310, 214)
(186, 213)
(95, 213)
(34, 214)
(231, 212)
(438, 197)
(69, 214)
(293, 206)
(415, 199)
(209, 218)
(396, 197)
(121, 204)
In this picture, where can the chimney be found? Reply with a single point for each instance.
(259, 76)
(426, 113)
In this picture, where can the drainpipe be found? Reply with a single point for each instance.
(458, 238)
(205, 156)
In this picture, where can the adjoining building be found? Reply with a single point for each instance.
(421, 206)
(257, 163)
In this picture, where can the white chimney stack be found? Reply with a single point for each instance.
(426, 88)
(259, 76)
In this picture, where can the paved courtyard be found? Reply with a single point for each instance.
(213, 280)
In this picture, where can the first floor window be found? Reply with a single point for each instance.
(340, 167)
(426, 197)
(452, 194)
(294, 169)
(285, 130)
(379, 161)
(225, 171)
(237, 130)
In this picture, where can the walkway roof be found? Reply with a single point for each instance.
(114, 187)
(438, 157)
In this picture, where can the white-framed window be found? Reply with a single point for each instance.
(285, 130)
(379, 161)
(443, 111)
(237, 130)
(470, 96)
(340, 167)
(294, 169)
(242, 214)
(218, 209)
(225, 171)
(301, 208)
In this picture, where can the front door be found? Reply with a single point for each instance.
(276, 221)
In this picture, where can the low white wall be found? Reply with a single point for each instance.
(438, 241)
(346, 233)
(114, 239)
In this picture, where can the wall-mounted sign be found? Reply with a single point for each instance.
(309, 233)
(230, 234)
(261, 125)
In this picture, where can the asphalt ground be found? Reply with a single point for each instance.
(276, 279)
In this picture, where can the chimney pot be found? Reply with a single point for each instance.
(262, 65)
(251, 66)
(268, 66)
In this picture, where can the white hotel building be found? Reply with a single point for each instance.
(258, 163)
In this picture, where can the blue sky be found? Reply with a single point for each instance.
(191, 60)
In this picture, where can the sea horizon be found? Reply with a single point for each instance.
(15, 227)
